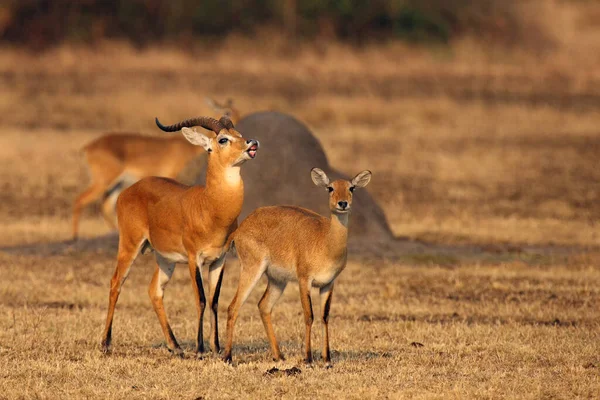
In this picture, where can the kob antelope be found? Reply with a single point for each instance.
(226, 108)
(117, 160)
(289, 243)
(278, 181)
(184, 224)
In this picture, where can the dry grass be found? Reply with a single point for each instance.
(467, 145)
(492, 330)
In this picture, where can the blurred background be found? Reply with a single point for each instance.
(43, 23)
(480, 119)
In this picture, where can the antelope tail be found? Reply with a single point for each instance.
(230, 243)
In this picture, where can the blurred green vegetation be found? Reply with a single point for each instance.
(42, 23)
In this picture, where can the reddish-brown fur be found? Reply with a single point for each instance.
(183, 224)
(289, 243)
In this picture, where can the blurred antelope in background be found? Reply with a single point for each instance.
(184, 224)
(117, 160)
(226, 108)
(289, 243)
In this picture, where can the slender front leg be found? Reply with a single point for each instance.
(196, 275)
(161, 277)
(326, 292)
(308, 316)
(215, 277)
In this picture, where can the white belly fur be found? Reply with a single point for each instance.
(174, 257)
(281, 274)
(325, 277)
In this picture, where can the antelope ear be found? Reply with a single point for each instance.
(197, 138)
(319, 177)
(362, 179)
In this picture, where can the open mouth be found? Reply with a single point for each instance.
(252, 150)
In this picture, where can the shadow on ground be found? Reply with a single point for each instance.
(399, 250)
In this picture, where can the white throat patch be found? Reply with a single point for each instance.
(232, 176)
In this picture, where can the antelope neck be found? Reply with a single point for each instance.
(225, 188)
(337, 236)
(222, 177)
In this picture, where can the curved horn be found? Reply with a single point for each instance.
(206, 122)
(226, 122)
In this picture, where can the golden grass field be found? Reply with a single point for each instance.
(485, 161)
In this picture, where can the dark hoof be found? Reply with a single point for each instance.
(177, 353)
(105, 347)
(227, 359)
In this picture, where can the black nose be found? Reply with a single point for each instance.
(343, 204)
(248, 141)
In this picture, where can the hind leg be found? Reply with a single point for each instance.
(265, 305)
(91, 194)
(109, 201)
(104, 168)
(108, 209)
(128, 251)
(250, 273)
(162, 275)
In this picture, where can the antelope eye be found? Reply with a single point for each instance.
(352, 188)
(223, 140)
(329, 189)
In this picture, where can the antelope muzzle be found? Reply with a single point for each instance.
(252, 147)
